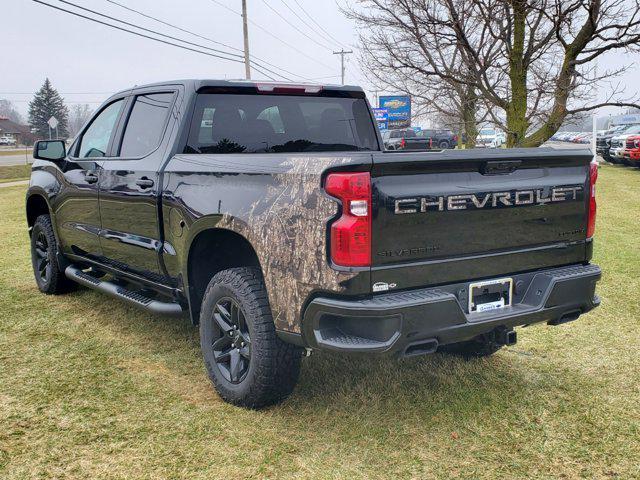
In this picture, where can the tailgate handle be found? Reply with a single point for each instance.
(500, 167)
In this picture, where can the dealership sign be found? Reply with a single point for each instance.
(399, 110)
(382, 117)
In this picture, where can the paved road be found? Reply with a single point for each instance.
(15, 159)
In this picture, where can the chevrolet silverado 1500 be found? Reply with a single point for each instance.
(270, 214)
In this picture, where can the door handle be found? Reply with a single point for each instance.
(90, 178)
(144, 182)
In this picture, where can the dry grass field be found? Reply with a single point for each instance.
(91, 388)
(11, 173)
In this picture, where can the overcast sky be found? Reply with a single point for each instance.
(87, 61)
(81, 56)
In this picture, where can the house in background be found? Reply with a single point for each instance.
(12, 133)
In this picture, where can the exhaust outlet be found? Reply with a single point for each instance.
(422, 347)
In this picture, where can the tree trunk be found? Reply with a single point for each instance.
(469, 107)
(517, 123)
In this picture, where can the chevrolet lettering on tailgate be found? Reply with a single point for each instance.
(512, 198)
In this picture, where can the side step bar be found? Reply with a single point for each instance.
(117, 291)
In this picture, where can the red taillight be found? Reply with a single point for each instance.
(591, 222)
(351, 233)
(402, 143)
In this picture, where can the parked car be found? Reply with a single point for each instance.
(618, 143)
(489, 138)
(6, 140)
(584, 138)
(282, 227)
(440, 138)
(632, 151)
(405, 139)
(603, 140)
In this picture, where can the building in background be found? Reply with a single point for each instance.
(18, 134)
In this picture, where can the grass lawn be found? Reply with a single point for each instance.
(11, 173)
(91, 388)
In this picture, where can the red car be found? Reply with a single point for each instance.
(632, 151)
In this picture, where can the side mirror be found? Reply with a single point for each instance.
(52, 150)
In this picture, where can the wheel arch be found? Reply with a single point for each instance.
(36, 205)
(211, 251)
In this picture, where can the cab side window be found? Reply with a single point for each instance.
(146, 124)
(95, 139)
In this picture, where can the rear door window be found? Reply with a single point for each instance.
(225, 123)
(146, 124)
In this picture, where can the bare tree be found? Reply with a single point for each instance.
(79, 115)
(399, 54)
(8, 110)
(532, 63)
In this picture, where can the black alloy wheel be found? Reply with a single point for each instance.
(42, 262)
(44, 259)
(231, 341)
(247, 362)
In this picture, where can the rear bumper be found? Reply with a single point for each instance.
(394, 322)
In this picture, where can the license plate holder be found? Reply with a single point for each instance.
(490, 295)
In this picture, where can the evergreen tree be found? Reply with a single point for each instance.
(46, 103)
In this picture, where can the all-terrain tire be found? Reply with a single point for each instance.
(49, 278)
(478, 347)
(272, 366)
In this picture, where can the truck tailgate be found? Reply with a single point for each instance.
(442, 217)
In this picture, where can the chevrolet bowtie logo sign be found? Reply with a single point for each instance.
(514, 198)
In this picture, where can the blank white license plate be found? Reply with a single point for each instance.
(490, 295)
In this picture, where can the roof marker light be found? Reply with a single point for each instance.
(284, 88)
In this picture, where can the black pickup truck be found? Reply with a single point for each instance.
(271, 216)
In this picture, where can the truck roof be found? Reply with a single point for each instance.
(198, 84)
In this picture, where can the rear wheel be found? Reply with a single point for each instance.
(246, 361)
(49, 278)
(443, 144)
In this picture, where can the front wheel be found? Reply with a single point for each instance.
(49, 278)
(247, 363)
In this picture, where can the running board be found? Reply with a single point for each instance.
(130, 296)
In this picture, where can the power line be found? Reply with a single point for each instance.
(148, 30)
(320, 26)
(136, 33)
(173, 26)
(151, 38)
(260, 70)
(257, 25)
(293, 26)
(203, 37)
(311, 27)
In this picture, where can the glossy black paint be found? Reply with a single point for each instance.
(138, 218)
(436, 247)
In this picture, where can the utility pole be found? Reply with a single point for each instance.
(375, 94)
(245, 31)
(342, 53)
